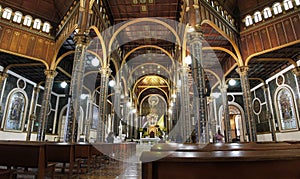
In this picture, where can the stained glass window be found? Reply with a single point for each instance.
(286, 109)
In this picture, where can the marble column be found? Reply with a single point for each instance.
(32, 116)
(249, 117)
(73, 111)
(212, 119)
(105, 72)
(117, 108)
(50, 74)
(195, 41)
(3, 77)
(226, 117)
(269, 114)
(296, 71)
(185, 104)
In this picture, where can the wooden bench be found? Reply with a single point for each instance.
(221, 164)
(83, 156)
(26, 155)
(63, 154)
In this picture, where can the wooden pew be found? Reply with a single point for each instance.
(83, 155)
(26, 155)
(221, 164)
(63, 153)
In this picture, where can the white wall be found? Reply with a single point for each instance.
(284, 136)
(22, 136)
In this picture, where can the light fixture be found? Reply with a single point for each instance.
(232, 82)
(173, 95)
(63, 84)
(188, 60)
(95, 62)
(112, 83)
(190, 29)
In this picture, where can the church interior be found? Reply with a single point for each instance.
(149, 89)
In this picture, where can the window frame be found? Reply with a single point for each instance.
(257, 16)
(277, 8)
(17, 17)
(267, 11)
(7, 13)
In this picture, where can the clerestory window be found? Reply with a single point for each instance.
(17, 17)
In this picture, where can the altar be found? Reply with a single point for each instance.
(148, 140)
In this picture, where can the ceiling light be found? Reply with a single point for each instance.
(112, 83)
(63, 84)
(232, 82)
(95, 62)
(188, 60)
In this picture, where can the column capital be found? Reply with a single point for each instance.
(223, 88)
(296, 71)
(242, 70)
(81, 39)
(3, 74)
(211, 99)
(50, 73)
(105, 71)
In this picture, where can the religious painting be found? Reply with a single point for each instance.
(286, 109)
(15, 108)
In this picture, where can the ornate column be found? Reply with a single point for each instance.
(117, 107)
(73, 112)
(212, 119)
(50, 74)
(185, 103)
(195, 39)
(296, 71)
(269, 114)
(32, 116)
(105, 72)
(90, 118)
(3, 77)
(223, 89)
(249, 117)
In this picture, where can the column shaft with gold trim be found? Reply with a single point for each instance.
(185, 103)
(32, 116)
(226, 116)
(199, 78)
(269, 114)
(105, 72)
(249, 117)
(3, 77)
(75, 92)
(50, 74)
(296, 71)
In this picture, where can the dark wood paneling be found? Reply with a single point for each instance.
(265, 39)
(281, 34)
(289, 30)
(26, 43)
(296, 25)
(257, 40)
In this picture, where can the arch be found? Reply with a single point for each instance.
(239, 107)
(145, 64)
(17, 17)
(155, 88)
(12, 109)
(138, 21)
(104, 51)
(234, 45)
(269, 50)
(148, 75)
(224, 50)
(147, 46)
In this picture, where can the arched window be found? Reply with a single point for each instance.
(17, 17)
(15, 111)
(286, 109)
(287, 4)
(37, 24)
(7, 13)
(297, 2)
(27, 20)
(257, 16)
(248, 20)
(277, 8)
(267, 12)
(46, 27)
(212, 4)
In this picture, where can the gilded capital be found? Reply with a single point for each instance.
(81, 39)
(296, 71)
(50, 73)
(243, 70)
(223, 88)
(105, 71)
(3, 75)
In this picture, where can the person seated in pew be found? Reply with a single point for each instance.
(110, 138)
(219, 137)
